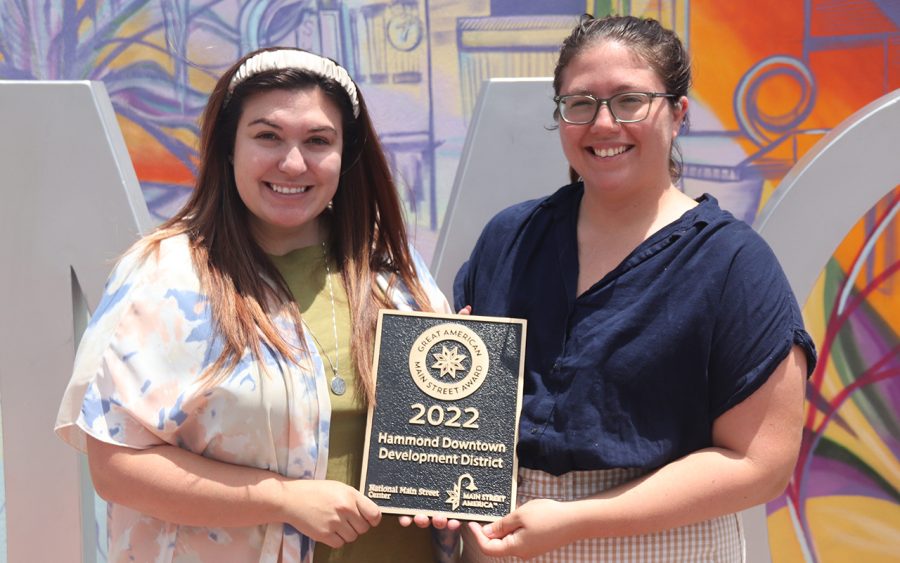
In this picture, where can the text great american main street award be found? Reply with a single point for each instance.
(441, 437)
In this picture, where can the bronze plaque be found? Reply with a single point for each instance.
(441, 438)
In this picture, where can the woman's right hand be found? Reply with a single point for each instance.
(182, 487)
(328, 511)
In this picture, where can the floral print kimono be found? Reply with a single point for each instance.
(136, 384)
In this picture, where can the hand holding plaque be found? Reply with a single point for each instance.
(441, 437)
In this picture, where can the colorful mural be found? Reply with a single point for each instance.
(771, 77)
(844, 499)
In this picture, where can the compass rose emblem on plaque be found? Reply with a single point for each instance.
(448, 361)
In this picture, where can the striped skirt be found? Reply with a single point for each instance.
(719, 540)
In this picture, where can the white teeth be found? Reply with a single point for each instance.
(605, 153)
(287, 189)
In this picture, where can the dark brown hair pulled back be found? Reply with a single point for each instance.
(660, 47)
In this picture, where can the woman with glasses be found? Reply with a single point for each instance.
(666, 355)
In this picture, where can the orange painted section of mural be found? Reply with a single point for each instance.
(152, 162)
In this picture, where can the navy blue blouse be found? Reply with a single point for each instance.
(633, 372)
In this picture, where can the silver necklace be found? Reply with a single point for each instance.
(338, 385)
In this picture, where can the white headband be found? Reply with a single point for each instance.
(300, 60)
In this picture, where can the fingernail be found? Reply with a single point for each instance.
(487, 530)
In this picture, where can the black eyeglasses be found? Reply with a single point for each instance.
(627, 107)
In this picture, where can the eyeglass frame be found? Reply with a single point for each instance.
(606, 101)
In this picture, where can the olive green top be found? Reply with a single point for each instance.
(305, 273)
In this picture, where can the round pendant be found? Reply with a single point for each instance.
(338, 387)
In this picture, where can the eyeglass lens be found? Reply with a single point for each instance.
(581, 109)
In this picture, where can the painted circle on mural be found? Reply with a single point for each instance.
(757, 117)
(448, 361)
(404, 32)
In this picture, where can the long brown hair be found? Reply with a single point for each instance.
(367, 234)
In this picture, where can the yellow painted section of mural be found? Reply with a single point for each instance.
(852, 529)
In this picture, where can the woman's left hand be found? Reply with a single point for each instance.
(536, 527)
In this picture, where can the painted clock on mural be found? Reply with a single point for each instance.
(404, 30)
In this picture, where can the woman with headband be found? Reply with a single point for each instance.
(220, 390)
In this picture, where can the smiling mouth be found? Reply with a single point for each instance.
(288, 190)
(610, 152)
